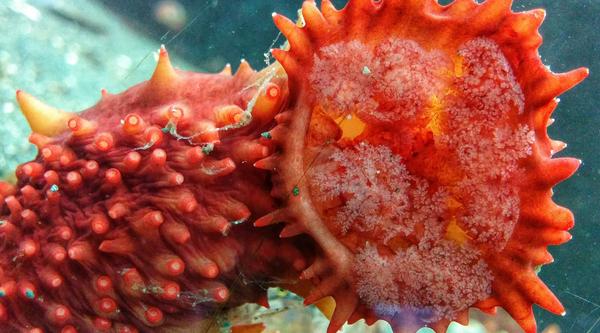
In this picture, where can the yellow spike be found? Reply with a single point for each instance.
(42, 119)
(226, 70)
(164, 75)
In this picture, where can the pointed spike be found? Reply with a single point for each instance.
(244, 69)
(556, 84)
(315, 22)
(218, 168)
(559, 169)
(541, 235)
(345, 304)
(226, 70)
(441, 326)
(283, 57)
(269, 219)
(536, 17)
(330, 13)
(299, 43)
(491, 12)
(515, 304)
(122, 245)
(164, 75)
(539, 293)
(292, 230)
(463, 318)
(42, 119)
(557, 146)
(269, 163)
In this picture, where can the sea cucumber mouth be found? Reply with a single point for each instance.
(419, 154)
(415, 131)
(425, 160)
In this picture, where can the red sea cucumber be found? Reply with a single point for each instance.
(135, 212)
(406, 139)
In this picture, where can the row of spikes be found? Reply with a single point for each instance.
(50, 121)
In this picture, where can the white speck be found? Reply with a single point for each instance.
(26, 10)
(12, 69)
(123, 61)
(8, 108)
(71, 58)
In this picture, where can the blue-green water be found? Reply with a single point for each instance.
(65, 51)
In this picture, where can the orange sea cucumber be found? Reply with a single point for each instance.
(402, 143)
(426, 171)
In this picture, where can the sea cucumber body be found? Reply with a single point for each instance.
(402, 144)
(135, 214)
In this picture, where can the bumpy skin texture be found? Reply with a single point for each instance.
(135, 216)
(402, 143)
(425, 174)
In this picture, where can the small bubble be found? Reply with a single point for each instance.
(366, 71)
(71, 58)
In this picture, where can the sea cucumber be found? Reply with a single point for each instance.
(402, 144)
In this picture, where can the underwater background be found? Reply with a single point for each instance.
(65, 51)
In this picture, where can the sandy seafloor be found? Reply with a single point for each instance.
(65, 51)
